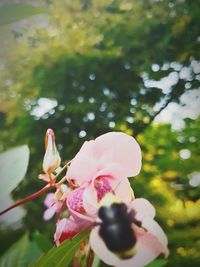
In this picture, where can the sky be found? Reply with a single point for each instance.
(175, 113)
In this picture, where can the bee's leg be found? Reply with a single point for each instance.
(132, 218)
(96, 224)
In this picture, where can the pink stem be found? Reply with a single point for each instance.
(34, 195)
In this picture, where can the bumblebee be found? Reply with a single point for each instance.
(115, 227)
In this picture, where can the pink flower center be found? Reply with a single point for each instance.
(75, 200)
(102, 186)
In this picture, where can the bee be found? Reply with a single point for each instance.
(115, 227)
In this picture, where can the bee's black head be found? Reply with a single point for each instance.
(113, 213)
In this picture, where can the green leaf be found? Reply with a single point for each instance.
(96, 261)
(22, 253)
(157, 263)
(14, 12)
(42, 241)
(61, 256)
(13, 166)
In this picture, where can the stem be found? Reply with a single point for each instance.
(90, 258)
(40, 192)
(64, 179)
(63, 168)
(96, 261)
(34, 195)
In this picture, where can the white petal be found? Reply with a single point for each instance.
(148, 248)
(122, 189)
(90, 203)
(154, 228)
(143, 209)
(147, 251)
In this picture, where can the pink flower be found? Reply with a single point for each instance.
(99, 169)
(55, 202)
(150, 238)
(83, 205)
(83, 202)
(102, 166)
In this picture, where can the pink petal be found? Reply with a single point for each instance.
(113, 169)
(44, 177)
(125, 151)
(143, 209)
(49, 200)
(90, 202)
(55, 208)
(76, 208)
(75, 200)
(148, 248)
(81, 219)
(92, 195)
(48, 214)
(115, 154)
(83, 165)
(122, 190)
(65, 229)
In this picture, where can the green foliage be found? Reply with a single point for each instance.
(13, 166)
(62, 256)
(20, 254)
(15, 12)
(42, 241)
(164, 180)
(157, 263)
(96, 261)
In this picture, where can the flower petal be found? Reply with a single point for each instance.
(113, 169)
(125, 151)
(49, 213)
(83, 166)
(154, 229)
(49, 200)
(90, 202)
(76, 208)
(147, 249)
(93, 194)
(65, 229)
(114, 153)
(122, 190)
(143, 209)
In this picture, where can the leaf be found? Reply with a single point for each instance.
(22, 253)
(14, 12)
(61, 256)
(42, 241)
(96, 261)
(13, 166)
(157, 263)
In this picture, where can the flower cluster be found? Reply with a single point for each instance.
(101, 168)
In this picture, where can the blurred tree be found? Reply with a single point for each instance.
(170, 160)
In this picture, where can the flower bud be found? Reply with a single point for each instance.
(51, 158)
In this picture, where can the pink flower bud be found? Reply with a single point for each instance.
(51, 158)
